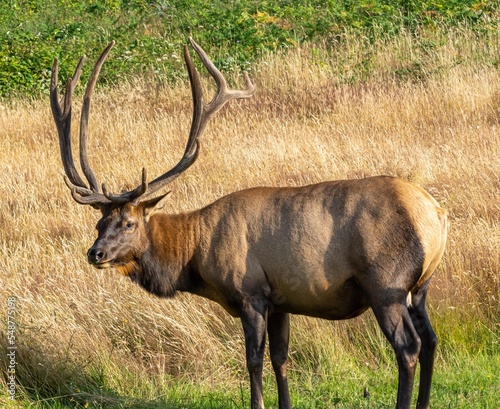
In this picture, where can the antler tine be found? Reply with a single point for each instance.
(201, 112)
(192, 146)
(86, 196)
(223, 93)
(84, 120)
(130, 196)
(62, 118)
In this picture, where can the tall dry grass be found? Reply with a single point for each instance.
(80, 329)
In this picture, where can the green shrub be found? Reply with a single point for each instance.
(150, 33)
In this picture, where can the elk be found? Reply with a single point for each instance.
(329, 250)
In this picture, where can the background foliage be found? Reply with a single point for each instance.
(149, 33)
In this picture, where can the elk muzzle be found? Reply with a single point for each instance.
(96, 256)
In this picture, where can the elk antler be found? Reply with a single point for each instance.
(201, 114)
(81, 193)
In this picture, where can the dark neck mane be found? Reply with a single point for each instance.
(167, 265)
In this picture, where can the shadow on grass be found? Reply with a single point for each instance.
(91, 401)
(48, 378)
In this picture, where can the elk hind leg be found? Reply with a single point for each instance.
(423, 326)
(396, 323)
(278, 329)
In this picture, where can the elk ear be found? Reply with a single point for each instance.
(151, 206)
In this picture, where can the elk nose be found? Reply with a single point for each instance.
(94, 255)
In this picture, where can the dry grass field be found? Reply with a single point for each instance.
(95, 338)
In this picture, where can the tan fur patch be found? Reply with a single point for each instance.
(430, 221)
(127, 269)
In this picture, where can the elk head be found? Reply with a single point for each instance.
(122, 236)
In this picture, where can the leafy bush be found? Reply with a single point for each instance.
(150, 33)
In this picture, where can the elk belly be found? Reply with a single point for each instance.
(335, 301)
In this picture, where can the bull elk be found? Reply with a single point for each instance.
(329, 250)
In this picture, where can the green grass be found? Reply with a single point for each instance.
(467, 382)
(322, 374)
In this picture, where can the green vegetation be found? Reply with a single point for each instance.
(149, 33)
(326, 376)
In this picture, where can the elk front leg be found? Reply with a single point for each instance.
(254, 326)
(278, 329)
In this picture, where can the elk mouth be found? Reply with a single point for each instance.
(123, 267)
(101, 265)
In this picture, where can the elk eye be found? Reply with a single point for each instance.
(129, 225)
